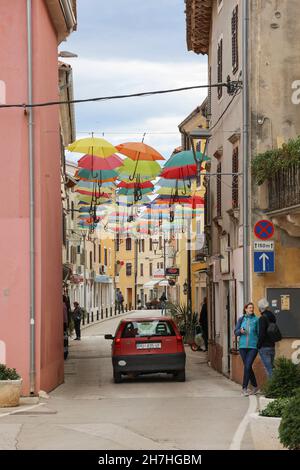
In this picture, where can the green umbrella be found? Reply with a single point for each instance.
(184, 158)
(139, 169)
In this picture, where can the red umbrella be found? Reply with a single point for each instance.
(91, 162)
(180, 172)
(142, 185)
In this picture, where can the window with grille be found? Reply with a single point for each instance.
(235, 178)
(235, 39)
(219, 190)
(150, 269)
(128, 244)
(142, 269)
(128, 269)
(220, 67)
(105, 256)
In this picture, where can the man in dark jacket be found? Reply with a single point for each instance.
(266, 347)
(204, 322)
(77, 315)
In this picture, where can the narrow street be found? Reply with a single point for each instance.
(89, 411)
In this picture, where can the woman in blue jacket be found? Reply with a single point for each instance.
(247, 330)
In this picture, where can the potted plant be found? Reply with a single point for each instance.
(265, 425)
(289, 429)
(283, 383)
(10, 387)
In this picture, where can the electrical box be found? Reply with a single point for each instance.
(285, 304)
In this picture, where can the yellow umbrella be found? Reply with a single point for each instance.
(92, 146)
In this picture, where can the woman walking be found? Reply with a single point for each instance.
(247, 330)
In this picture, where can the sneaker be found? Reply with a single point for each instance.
(245, 392)
(254, 391)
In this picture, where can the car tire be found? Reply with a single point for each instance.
(117, 377)
(180, 376)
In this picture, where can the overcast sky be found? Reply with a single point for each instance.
(130, 46)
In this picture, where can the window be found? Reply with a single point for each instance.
(99, 253)
(235, 39)
(91, 260)
(209, 95)
(160, 243)
(78, 249)
(150, 244)
(157, 265)
(94, 252)
(128, 269)
(235, 178)
(105, 256)
(143, 245)
(142, 269)
(128, 244)
(220, 67)
(118, 242)
(220, 5)
(72, 210)
(150, 269)
(161, 265)
(219, 190)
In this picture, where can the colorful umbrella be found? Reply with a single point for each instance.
(92, 146)
(185, 157)
(139, 151)
(92, 162)
(139, 169)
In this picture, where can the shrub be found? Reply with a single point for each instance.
(276, 408)
(284, 381)
(185, 319)
(289, 429)
(8, 374)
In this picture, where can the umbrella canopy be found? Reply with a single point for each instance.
(166, 183)
(185, 157)
(92, 162)
(130, 192)
(134, 169)
(104, 176)
(92, 146)
(182, 172)
(173, 191)
(132, 185)
(139, 151)
(88, 185)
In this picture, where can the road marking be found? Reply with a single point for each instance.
(20, 410)
(240, 432)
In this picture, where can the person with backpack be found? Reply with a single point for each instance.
(121, 301)
(269, 334)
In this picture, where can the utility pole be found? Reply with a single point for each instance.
(84, 271)
(189, 280)
(246, 263)
(136, 251)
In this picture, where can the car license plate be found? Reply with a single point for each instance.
(148, 346)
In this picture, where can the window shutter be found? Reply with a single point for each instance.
(235, 178)
(235, 40)
(220, 68)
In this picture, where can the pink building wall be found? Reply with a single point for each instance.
(14, 192)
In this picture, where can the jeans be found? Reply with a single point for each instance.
(163, 308)
(267, 356)
(248, 356)
(77, 328)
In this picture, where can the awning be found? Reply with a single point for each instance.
(103, 279)
(163, 283)
(151, 284)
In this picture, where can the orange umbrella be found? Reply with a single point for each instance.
(139, 151)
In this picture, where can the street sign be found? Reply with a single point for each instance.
(264, 246)
(264, 262)
(264, 229)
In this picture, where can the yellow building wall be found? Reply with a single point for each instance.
(126, 283)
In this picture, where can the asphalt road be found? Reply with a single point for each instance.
(89, 411)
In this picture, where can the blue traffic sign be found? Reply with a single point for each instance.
(264, 262)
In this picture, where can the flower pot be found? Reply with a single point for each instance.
(10, 391)
(264, 432)
(263, 402)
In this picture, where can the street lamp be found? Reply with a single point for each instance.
(67, 54)
(199, 134)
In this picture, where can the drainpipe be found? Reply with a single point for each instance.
(246, 265)
(32, 372)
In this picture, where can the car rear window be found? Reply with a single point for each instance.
(140, 329)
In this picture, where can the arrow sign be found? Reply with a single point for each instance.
(264, 262)
(264, 257)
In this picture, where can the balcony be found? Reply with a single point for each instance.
(284, 200)
(284, 189)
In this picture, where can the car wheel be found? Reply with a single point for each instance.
(117, 377)
(180, 376)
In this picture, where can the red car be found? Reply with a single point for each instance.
(146, 346)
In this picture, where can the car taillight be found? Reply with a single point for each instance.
(180, 347)
(179, 338)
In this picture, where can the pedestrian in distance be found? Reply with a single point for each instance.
(77, 316)
(247, 329)
(121, 301)
(203, 320)
(117, 302)
(268, 335)
(163, 301)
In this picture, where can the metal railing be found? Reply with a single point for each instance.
(284, 188)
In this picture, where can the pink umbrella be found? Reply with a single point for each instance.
(91, 162)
